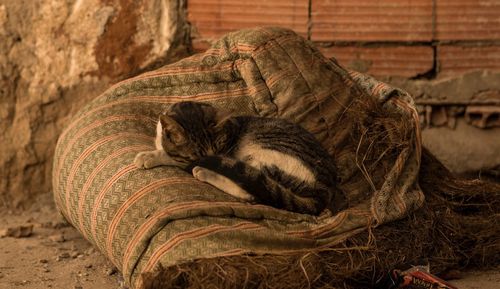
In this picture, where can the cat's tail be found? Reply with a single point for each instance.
(269, 186)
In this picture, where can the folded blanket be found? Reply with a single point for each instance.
(142, 218)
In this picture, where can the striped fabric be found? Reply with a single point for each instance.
(141, 218)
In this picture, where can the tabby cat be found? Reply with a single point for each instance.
(262, 160)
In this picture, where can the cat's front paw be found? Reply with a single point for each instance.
(147, 160)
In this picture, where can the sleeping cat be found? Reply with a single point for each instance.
(262, 160)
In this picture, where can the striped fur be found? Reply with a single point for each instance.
(264, 160)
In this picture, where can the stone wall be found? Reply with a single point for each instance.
(56, 55)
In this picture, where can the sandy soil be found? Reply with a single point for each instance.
(55, 255)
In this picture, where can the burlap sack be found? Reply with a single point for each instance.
(141, 218)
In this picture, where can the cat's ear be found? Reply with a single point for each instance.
(225, 130)
(209, 114)
(172, 130)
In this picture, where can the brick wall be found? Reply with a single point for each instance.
(408, 38)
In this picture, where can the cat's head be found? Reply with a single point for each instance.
(189, 131)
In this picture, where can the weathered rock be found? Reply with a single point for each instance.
(465, 148)
(55, 56)
(59, 238)
(17, 231)
(448, 133)
(461, 89)
(62, 256)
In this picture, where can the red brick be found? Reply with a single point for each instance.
(213, 18)
(405, 61)
(454, 60)
(467, 19)
(368, 20)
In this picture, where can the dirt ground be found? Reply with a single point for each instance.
(55, 255)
